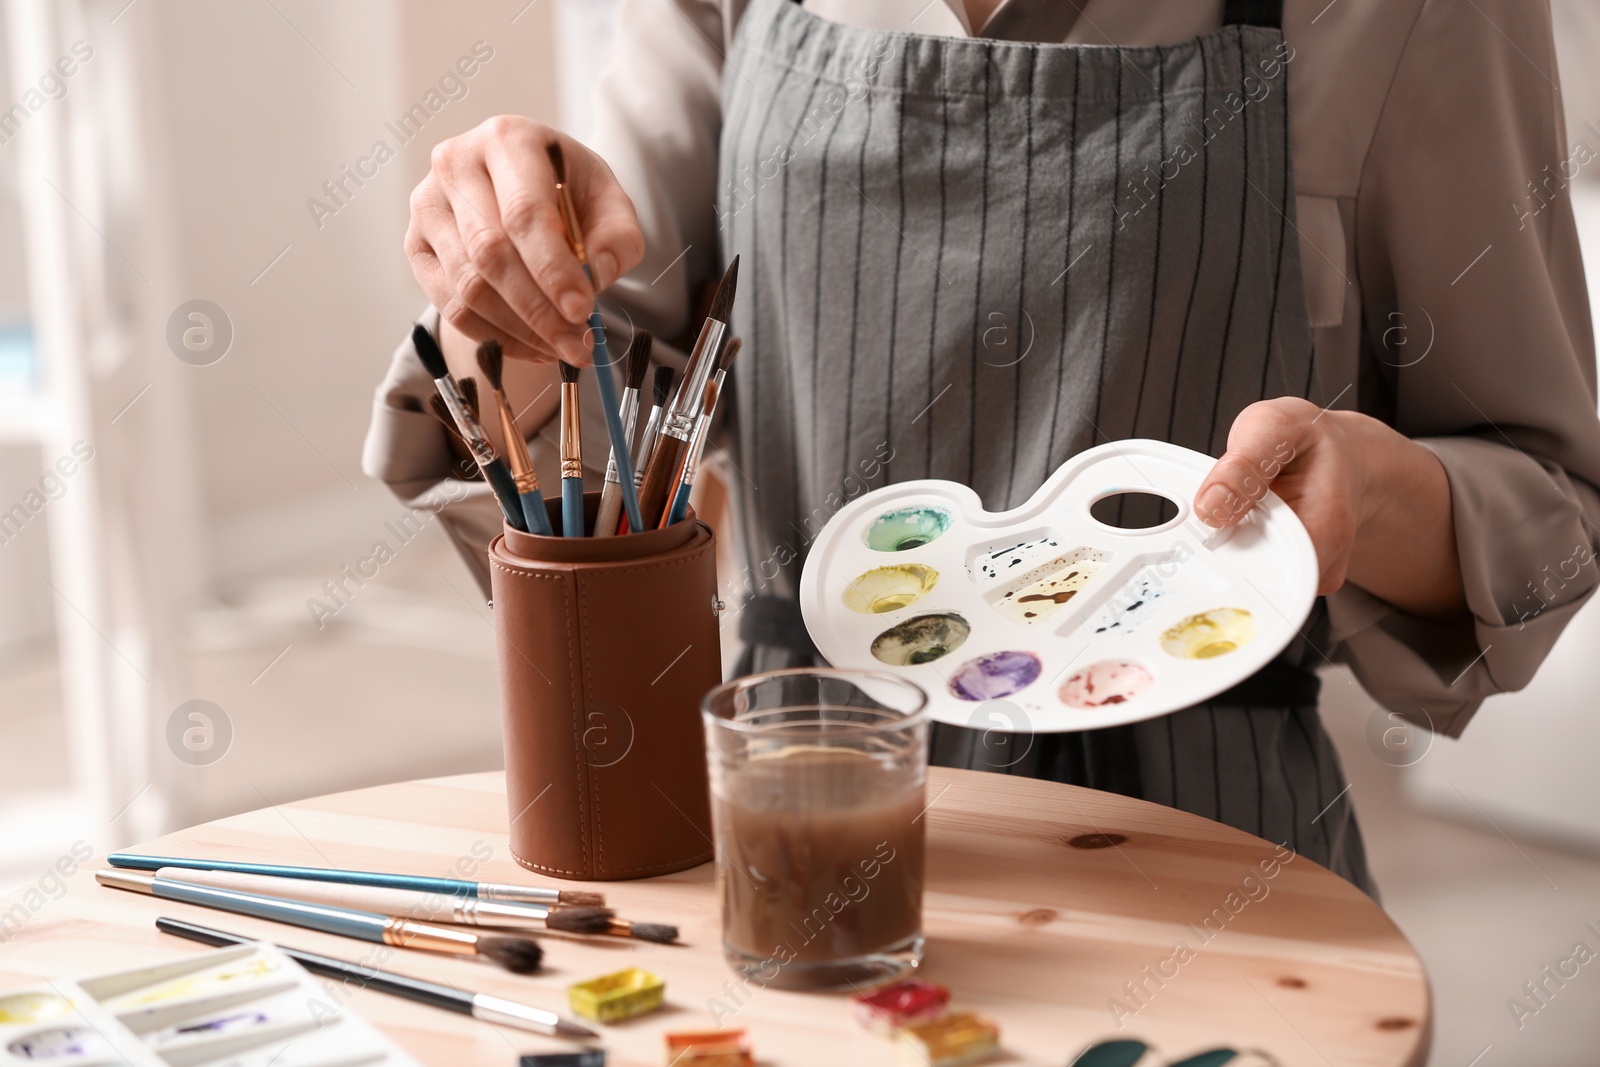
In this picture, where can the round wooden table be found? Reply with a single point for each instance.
(1065, 914)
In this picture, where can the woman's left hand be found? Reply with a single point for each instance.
(1376, 503)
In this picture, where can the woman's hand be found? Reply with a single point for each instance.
(487, 244)
(1376, 503)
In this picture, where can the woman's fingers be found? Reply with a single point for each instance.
(489, 245)
(610, 223)
(517, 162)
(1264, 439)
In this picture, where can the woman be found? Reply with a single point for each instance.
(975, 241)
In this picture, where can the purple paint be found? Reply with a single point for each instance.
(998, 674)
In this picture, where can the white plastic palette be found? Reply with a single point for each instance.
(1047, 610)
(242, 1006)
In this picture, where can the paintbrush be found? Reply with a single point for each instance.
(470, 471)
(431, 907)
(491, 360)
(652, 427)
(519, 955)
(494, 469)
(660, 933)
(493, 1010)
(677, 427)
(571, 455)
(605, 523)
(702, 433)
(691, 459)
(421, 883)
(602, 356)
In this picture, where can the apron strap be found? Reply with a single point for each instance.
(1267, 13)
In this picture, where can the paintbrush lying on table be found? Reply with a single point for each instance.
(421, 883)
(431, 907)
(494, 1010)
(519, 955)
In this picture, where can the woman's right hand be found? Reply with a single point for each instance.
(487, 244)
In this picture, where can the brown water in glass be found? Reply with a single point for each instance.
(822, 858)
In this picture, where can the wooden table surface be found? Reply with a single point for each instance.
(1045, 905)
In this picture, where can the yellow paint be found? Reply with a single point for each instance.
(33, 1007)
(889, 588)
(1210, 634)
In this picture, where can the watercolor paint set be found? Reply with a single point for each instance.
(1051, 609)
(246, 1006)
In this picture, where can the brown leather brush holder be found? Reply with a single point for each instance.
(605, 646)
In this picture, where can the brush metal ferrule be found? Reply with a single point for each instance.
(409, 933)
(502, 1012)
(474, 911)
(647, 442)
(630, 418)
(138, 881)
(517, 457)
(571, 432)
(691, 393)
(471, 430)
(569, 219)
(520, 894)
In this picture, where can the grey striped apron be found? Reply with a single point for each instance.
(970, 259)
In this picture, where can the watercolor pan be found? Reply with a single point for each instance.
(243, 1006)
(1047, 616)
(611, 998)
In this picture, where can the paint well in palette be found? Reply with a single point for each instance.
(996, 675)
(1210, 634)
(1111, 681)
(33, 1008)
(1043, 591)
(62, 1043)
(1001, 561)
(1130, 606)
(921, 639)
(889, 588)
(906, 528)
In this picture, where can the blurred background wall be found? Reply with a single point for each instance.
(224, 490)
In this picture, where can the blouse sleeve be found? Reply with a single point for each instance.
(657, 125)
(1465, 239)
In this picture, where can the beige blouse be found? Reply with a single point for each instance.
(1442, 275)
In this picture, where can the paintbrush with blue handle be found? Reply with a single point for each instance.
(492, 360)
(571, 454)
(602, 355)
(520, 955)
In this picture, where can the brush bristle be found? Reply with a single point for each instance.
(722, 303)
(428, 351)
(569, 373)
(519, 955)
(492, 360)
(730, 352)
(710, 398)
(469, 393)
(639, 358)
(441, 412)
(657, 932)
(663, 385)
(580, 920)
(558, 161)
(579, 897)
